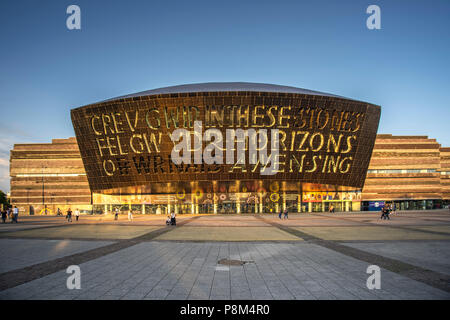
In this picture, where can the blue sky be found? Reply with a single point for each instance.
(130, 46)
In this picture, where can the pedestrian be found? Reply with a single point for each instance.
(394, 208)
(69, 215)
(4, 216)
(77, 214)
(382, 213)
(388, 211)
(58, 212)
(130, 215)
(331, 209)
(116, 214)
(286, 213)
(15, 214)
(8, 212)
(279, 215)
(173, 220)
(385, 212)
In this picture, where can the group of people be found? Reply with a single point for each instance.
(69, 215)
(171, 220)
(117, 211)
(386, 210)
(285, 214)
(10, 213)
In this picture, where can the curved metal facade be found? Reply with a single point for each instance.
(324, 139)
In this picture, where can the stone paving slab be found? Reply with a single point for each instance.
(320, 268)
(395, 220)
(369, 233)
(175, 270)
(7, 227)
(227, 234)
(432, 255)
(299, 221)
(149, 219)
(20, 253)
(442, 229)
(84, 232)
(228, 221)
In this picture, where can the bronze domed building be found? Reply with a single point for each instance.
(325, 145)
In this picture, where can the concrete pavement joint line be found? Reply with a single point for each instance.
(429, 277)
(4, 233)
(397, 241)
(391, 226)
(17, 277)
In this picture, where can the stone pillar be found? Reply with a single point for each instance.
(260, 203)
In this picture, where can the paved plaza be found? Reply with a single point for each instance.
(306, 257)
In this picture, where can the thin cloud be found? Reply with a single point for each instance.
(4, 162)
(4, 178)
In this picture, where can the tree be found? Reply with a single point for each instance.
(3, 199)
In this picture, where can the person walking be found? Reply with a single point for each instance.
(116, 214)
(388, 211)
(15, 214)
(286, 213)
(77, 214)
(58, 212)
(173, 220)
(130, 215)
(385, 212)
(279, 215)
(331, 209)
(8, 212)
(69, 215)
(382, 213)
(4, 216)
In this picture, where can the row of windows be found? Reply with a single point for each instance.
(368, 171)
(401, 170)
(51, 175)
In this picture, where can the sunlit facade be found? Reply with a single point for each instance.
(325, 143)
(232, 197)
